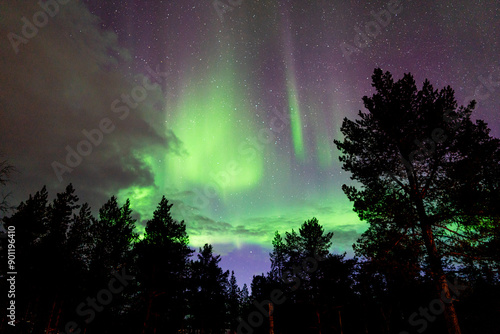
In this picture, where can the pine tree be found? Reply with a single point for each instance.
(162, 262)
(278, 257)
(6, 170)
(412, 154)
(233, 295)
(30, 222)
(113, 237)
(208, 285)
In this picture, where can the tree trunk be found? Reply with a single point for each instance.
(271, 318)
(340, 323)
(318, 315)
(148, 312)
(387, 319)
(49, 329)
(58, 315)
(440, 279)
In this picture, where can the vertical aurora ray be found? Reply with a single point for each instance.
(324, 148)
(295, 119)
(293, 94)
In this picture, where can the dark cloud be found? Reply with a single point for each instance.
(63, 82)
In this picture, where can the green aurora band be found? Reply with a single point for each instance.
(217, 176)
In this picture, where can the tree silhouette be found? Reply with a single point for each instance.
(6, 170)
(296, 269)
(162, 264)
(208, 292)
(113, 236)
(80, 237)
(233, 296)
(68, 258)
(303, 253)
(412, 154)
(278, 257)
(54, 250)
(30, 222)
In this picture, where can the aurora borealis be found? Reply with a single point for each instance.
(238, 130)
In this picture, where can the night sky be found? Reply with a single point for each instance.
(228, 108)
